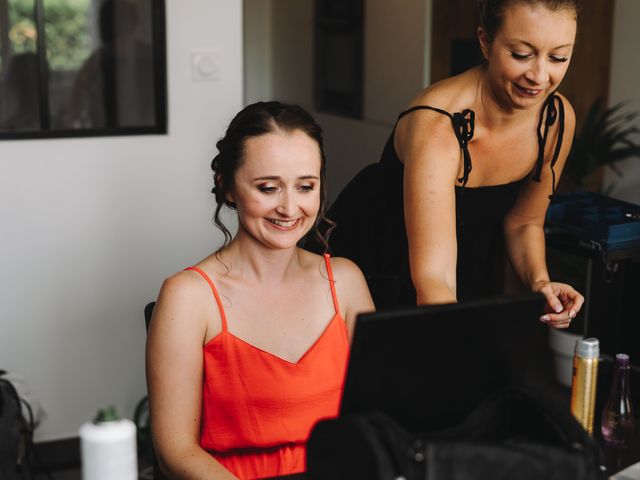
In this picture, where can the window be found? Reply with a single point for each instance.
(82, 68)
(339, 56)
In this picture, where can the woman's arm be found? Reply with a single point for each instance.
(174, 379)
(427, 146)
(352, 291)
(524, 233)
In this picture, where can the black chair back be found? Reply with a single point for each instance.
(148, 312)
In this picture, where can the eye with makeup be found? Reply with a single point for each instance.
(307, 187)
(558, 58)
(267, 188)
(520, 56)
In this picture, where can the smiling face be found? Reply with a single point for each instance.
(277, 188)
(529, 55)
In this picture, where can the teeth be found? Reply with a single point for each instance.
(282, 223)
(530, 92)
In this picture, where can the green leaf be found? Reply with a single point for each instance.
(608, 135)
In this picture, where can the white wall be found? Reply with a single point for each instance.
(396, 53)
(90, 227)
(350, 145)
(292, 51)
(257, 26)
(624, 86)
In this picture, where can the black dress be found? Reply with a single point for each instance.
(371, 230)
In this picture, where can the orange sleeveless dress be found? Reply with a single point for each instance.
(257, 408)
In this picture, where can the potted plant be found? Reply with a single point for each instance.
(607, 136)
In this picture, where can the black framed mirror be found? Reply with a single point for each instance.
(79, 68)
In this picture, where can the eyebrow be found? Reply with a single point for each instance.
(275, 177)
(524, 42)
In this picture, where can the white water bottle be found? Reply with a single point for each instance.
(108, 447)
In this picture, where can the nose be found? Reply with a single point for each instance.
(288, 206)
(538, 74)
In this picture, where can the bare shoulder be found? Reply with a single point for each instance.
(184, 301)
(352, 290)
(186, 286)
(351, 285)
(452, 94)
(440, 96)
(411, 143)
(344, 270)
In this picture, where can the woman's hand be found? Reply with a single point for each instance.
(563, 303)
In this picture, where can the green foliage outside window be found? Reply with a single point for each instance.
(66, 27)
(22, 33)
(67, 34)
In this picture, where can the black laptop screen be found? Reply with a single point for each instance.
(428, 367)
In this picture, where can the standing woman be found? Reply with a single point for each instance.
(472, 164)
(248, 348)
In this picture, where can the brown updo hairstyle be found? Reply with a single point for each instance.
(492, 11)
(254, 120)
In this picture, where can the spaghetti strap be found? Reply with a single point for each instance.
(332, 282)
(424, 107)
(463, 126)
(549, 119)
(215, 294)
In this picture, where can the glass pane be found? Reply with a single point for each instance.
(19, 99)
(97, 71)
(102, 63)
(68, 44)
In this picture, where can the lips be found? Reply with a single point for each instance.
(529, 92)
(284, 224)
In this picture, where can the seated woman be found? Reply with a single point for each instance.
(247, 349)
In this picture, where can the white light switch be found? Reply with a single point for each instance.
(205, 66)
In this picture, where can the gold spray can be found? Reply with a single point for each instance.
(583, 384)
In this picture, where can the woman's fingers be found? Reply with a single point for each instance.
(561, 299)
(577, 302)
(558, 320)
(553, 302)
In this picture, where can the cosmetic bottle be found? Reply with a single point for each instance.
(617, 423)
(583, 384)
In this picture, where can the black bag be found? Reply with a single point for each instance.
(511, 436)
(16, 435)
